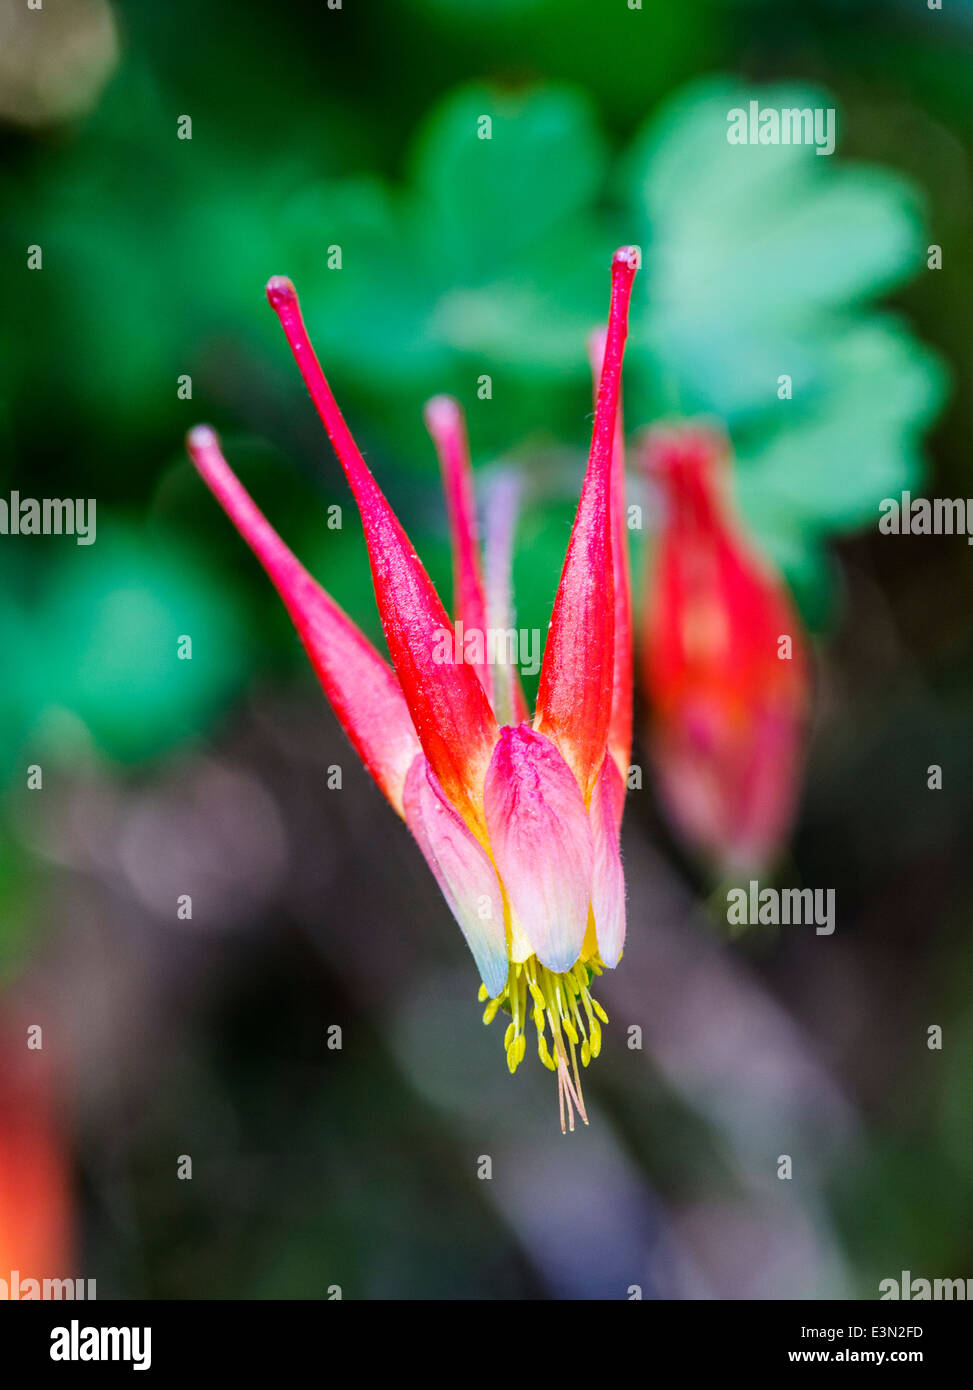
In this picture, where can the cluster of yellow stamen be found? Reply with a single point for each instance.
(561, 1003)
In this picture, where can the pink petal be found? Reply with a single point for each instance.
(574, 699)
(449, 707)
(466, 878)
(541, 841)
(444, 421)
(608, 879)
(362, 688)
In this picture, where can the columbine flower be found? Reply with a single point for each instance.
(724, 663)
(519, 821)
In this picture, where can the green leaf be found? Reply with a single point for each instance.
(486, 201)
(857, 442)
(761, 262)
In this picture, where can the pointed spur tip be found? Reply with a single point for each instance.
(441, 413)
(627, 258)
(280, 290)
(200, 438)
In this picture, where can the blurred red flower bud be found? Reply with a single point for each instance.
(724, 662)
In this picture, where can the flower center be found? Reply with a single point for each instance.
(557, 1003)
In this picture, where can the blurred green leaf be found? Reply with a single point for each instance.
(761, 262)
(99, 639)
(488, 201)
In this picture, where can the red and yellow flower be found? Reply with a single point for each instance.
(518, 819)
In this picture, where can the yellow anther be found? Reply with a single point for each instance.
(550, 1001)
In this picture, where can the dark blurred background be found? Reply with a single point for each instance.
(312, 128)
